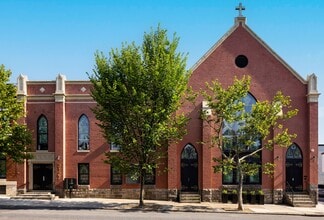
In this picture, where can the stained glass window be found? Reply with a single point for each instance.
(84, 133)
(294, 152)
(189, 152)
(116, 176)
(83, 174)
(42, 133)
(230, 139)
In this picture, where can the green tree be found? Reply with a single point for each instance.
(14, 137)
(242, 132)
(139, 90)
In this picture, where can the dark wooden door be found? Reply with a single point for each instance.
(42, 176)
(294, 168)
(189, 169)
(294, 174)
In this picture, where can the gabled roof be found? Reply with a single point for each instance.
(241, 21)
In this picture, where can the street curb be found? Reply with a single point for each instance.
(161, 210)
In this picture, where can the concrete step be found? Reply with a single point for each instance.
(35, 195)
(189, 198)
(304, 204)
(299, 200)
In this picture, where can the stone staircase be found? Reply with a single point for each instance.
(35, 195)
(189, 197)
(299, 199)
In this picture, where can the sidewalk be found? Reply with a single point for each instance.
(154, 205)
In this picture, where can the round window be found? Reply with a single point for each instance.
(241, 61)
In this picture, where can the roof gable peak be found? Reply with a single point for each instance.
(240, 21)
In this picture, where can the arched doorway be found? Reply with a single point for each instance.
(189, 169)
(294, 167)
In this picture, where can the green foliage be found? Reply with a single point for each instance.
(268, 168)
(242, 144)
(139, 90)
(14, 137)
(260, 192)
(224, 191)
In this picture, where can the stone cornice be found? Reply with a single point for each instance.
(42, 156)
(313, 97)
(59, 97)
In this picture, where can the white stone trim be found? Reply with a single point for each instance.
(39, 157)
(60, 84)
(37, 103)
(11, 187)
(313, 94)
(42, 157)
(205, 108)
(41, 97)
(59, 98)
(22, 85)
(78, 102)
(42, 89)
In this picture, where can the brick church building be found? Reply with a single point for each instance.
(69, 144)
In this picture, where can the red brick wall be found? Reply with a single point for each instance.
(312, 154)
(35, 88)
(34, 111)
(268, 76)
(99, 171)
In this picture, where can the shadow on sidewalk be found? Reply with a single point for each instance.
(91, 205)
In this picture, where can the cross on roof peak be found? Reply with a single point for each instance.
(240, 8)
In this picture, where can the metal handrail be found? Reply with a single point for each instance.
(290, 189)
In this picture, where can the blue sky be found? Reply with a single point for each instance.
(42, 38)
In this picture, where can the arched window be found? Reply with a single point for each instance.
(189, 152)
(233, 127)
(294, 152)
(83, 133)
(230, 134)
(42, 133)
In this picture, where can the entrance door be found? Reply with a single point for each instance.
(189, 169)
(42, 176)
(294, 168)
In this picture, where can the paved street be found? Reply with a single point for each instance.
(96, 208)
(135, 215)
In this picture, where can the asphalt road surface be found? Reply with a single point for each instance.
(45, 214)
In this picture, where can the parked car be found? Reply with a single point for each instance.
(321, 190)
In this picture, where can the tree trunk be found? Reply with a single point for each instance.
(141, 199)
(240, 190)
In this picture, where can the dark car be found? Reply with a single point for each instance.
(321, 190)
